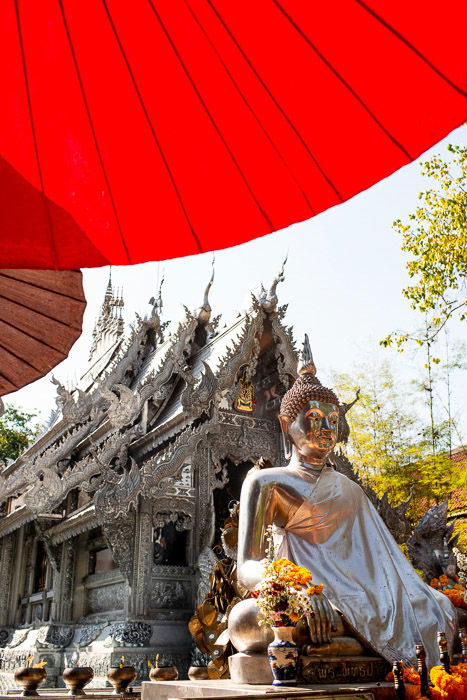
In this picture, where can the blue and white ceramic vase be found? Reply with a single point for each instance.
(283, 656)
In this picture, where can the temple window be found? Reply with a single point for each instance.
(170, 545)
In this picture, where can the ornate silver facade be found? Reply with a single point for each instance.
(105, 516)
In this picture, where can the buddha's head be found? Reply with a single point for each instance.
(309, 414)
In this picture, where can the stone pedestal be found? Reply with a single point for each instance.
(246, 667)
(254, 669)
(164, 690)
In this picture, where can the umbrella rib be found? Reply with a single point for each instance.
(152, 129)
(33, 337)
(276, 102)
(211, 118)
(93, 130)
(412, 48)
(344, 82)
(34, 136)
(51, 318)
(10, 381)
(21, 359)
(250, 108)
(4, 273)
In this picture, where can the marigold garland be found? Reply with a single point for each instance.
(456, 594)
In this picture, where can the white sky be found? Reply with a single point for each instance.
(343, 284)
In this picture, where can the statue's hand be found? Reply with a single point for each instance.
(321, 621)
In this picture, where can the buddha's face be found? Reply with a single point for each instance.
(314, 431)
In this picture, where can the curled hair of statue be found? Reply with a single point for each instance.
(306, 388)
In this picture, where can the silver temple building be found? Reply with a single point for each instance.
(104, 518)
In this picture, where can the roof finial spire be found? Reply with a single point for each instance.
(204, 312)
(157, 301)
(109, 290)
(268, 300)
(109, 325)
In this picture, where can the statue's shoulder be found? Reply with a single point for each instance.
(350, 485)
(265, 475)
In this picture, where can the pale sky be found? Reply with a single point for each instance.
(344, 276)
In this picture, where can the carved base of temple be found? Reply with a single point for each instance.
(254, 669)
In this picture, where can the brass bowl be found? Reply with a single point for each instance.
(121, 678)
(30, 678)
(198, 673)
(76, 677)
(163, 673)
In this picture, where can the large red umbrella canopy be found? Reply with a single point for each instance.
(150, 129)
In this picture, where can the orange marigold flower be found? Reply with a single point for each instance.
(450, 686)
(319, 589)
(434, 583)
(411, 675)
(294, 617)
(455, 596)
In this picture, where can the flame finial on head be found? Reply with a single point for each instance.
(306, 364)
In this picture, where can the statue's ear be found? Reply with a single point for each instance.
(285, 422)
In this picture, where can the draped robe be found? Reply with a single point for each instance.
(338, 535)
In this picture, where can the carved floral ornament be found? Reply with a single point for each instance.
(129, 634)
(54, 637)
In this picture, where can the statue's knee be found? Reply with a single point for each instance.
(244, 631)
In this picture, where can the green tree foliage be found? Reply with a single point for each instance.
(16, 432)
(390, 445)
(435, 237)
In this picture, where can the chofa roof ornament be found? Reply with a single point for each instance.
(268, 299)
(204, 312)
(156, 302)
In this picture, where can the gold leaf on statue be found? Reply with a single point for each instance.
(207, 613)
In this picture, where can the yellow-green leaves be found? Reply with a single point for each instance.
(435, 237)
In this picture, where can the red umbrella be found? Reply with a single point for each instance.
(151, 129)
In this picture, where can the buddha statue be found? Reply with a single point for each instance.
(323, 521)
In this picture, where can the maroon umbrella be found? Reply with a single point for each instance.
(133, 131)
(41, 313)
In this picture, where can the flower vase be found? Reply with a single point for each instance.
(283, 656)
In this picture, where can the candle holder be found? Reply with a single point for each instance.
(121, 677)
(76, 677)
(30, 678)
